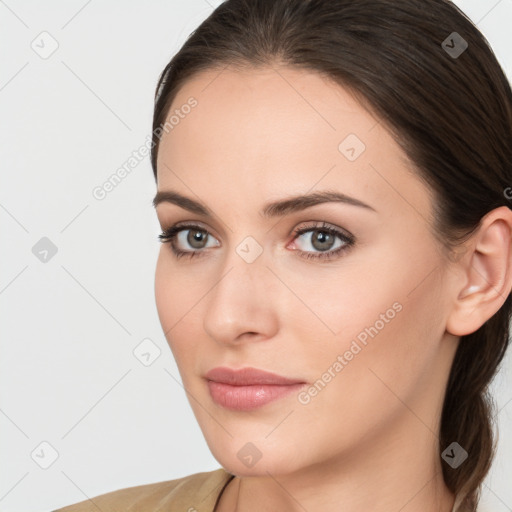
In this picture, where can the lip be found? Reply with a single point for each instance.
(248, 376)
(248, 388)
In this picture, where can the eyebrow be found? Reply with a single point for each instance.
(270, 210)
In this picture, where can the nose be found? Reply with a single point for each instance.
(243, 303)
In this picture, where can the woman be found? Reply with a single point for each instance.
(333, 190)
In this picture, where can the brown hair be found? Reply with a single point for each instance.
(451, 114)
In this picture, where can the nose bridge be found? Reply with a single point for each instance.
(240, 300)
(244, 268)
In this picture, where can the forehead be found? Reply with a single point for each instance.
(263, 112)
(271, 132)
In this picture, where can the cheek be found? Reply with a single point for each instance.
(164, 291)
(383, 311)
(385, 351)
(176, 289)
(176, 300)
(171, 297)
(334, 304)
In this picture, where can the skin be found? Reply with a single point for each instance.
(369, 438)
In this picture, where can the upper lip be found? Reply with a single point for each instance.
(248, 376)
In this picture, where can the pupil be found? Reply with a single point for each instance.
(323, 238)
(195, 237)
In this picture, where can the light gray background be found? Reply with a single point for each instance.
(69, 326)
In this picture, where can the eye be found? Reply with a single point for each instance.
(193, 235)
(323, 239)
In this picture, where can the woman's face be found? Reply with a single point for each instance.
(363, 330)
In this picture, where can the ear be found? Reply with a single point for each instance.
(485, 274)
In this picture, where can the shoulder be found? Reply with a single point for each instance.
(193, 493)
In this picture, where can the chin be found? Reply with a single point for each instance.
(247, 455)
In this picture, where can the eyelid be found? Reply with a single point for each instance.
(319, 225)
(186, 224)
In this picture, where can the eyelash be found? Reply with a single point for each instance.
(168, 236)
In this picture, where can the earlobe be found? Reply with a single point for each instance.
(487, 274)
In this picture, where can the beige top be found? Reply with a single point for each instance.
(193, 493)
(199, 492)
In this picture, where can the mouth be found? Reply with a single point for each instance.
(248, 388)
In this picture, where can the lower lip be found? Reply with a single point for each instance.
(246, 398)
